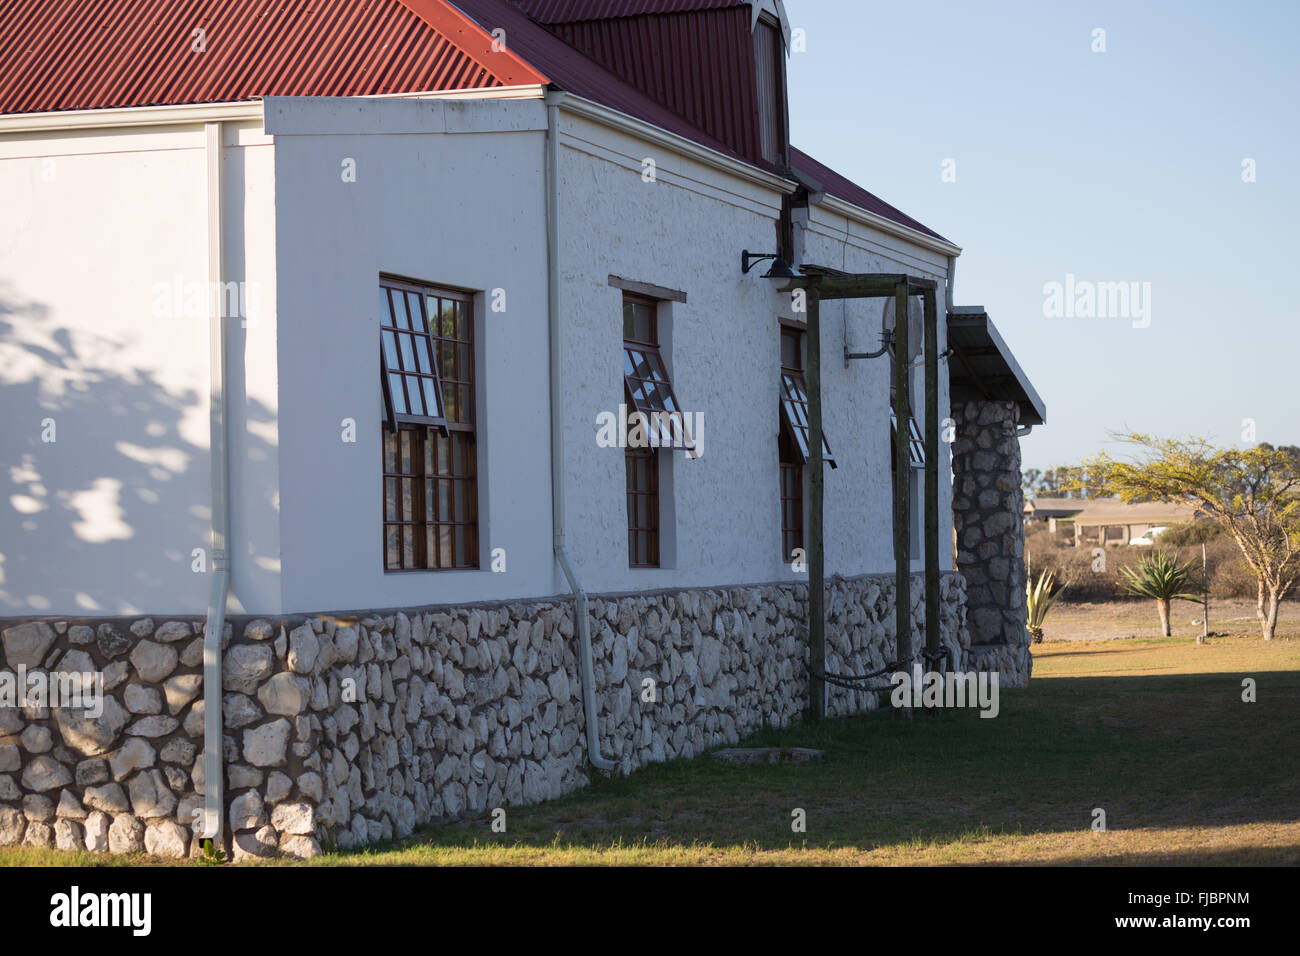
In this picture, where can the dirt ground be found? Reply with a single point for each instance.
(1116, 619)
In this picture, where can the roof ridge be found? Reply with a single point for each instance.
(444, 17)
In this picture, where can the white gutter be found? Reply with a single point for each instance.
(583, 624)
(914, 236)
(216, 623)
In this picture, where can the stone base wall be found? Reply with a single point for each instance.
(988, 517)
(344, 731)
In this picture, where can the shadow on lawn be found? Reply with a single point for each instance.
(1154, 752)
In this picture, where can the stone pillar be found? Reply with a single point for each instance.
(988, 516)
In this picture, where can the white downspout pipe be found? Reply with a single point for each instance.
(212, 743)
(947, 284)
(582, 623)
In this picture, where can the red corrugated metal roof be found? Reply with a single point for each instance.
(843, 188)
(85, 54)
(570, 11)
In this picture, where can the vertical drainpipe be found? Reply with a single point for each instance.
(212, 742)
(582, 623)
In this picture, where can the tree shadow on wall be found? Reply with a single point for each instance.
(105, 498)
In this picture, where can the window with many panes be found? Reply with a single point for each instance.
(792, 440)
(649, 391)
(791, 465)
(430, 481)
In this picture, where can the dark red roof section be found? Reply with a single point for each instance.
(570, 70)
(571, 11)
(842, 188)
(87, 54)
(700, 64)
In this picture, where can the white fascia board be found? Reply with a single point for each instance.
(361, 115)
(915, 236)
(240, 110)
(906, 257)
(680, 145)
(185, 114)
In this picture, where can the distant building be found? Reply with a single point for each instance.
(1104, 521)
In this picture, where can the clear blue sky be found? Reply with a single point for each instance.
(1117, 166)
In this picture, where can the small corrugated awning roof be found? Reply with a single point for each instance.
(983, 368)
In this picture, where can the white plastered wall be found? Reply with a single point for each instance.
(448, 193)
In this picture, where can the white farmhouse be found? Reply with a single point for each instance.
(331, 329)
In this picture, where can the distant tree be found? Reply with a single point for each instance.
(1029, 480)
(1050, 482)
(1191, 533)
(1253, 494)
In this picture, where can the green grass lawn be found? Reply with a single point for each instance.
(1152, 731)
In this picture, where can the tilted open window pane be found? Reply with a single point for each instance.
(651, 393)
(412, 387)
(794, 413)
(915, 442)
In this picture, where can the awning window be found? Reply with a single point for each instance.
(409, 369)
(915, 442)
(651, 392)
(794, 414)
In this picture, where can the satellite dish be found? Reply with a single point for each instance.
(915, 325)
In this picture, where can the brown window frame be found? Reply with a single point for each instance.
(429, 464)
(641, 465)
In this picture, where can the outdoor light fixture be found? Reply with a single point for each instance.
(780, 268)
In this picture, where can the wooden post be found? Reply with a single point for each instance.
(1205, 597)
(816, 544)
(931, 544)
(902, 489)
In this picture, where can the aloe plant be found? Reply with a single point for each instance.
(1160, 577)
(1039, 598)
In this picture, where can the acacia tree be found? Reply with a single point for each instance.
(1253, 494)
